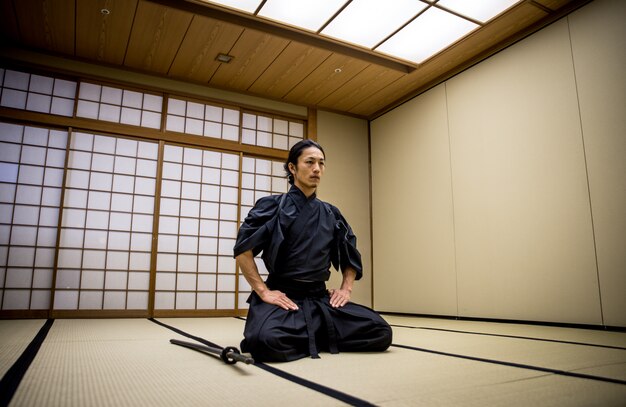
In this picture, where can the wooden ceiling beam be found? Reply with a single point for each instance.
(313, 40)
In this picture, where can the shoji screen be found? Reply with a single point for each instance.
(106, 233)
(119, 105)
(78, 208)
(202, 119)
(259, 178)
(197, 230)
(31, 175)
(268, 131)
(37, 93)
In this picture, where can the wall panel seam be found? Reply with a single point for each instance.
(586, 163)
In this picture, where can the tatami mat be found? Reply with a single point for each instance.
(592, 336)
(130, 362)
(576, 357)
(15, 336)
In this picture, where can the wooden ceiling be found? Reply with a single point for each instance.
(181, 39)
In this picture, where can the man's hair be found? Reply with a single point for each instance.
(296, 152)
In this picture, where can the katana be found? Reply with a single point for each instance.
(230, 355)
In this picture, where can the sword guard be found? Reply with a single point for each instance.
(231, 355)
(227, 355)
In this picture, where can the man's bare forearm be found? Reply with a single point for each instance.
(252, 276)
(349, 275)
(251, 272)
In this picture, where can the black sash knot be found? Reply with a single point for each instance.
(310, 296)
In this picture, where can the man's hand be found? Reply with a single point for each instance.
(339, 297)
(251, 273)
(278, 298)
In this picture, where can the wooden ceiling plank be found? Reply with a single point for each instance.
(205, 39)
(294, 64)
(47, 25)
(165, 37)
(325, 79)
(104, 37)
(284, 31)
(253, 52)
(553, 4)
(156, 36)
(360, 87)
(9, 29)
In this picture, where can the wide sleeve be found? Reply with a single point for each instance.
(346, 254)
(255, 231)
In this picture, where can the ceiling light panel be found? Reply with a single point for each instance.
(308, 14)
(249, 6)
(368, 22)
(481, 10)
(427, 35)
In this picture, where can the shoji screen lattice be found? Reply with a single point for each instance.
(37, 93)
(78, 208)
(197, 230)
(259, 177)
(202, 119)
(118, 105)
(106, 234)
(267, 131)
(31, 176)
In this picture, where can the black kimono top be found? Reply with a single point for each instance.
(300, 237)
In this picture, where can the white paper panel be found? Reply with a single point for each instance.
(16, 299)
(66, 300)
(137, 300)
(114, 300)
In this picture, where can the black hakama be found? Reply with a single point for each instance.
(300, 237)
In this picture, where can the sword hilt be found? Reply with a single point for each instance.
(230, 355)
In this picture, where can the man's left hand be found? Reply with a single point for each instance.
(339, 297)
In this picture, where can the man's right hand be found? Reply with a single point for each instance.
(251, 273)
(279, 299)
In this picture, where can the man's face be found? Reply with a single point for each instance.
(308, 173)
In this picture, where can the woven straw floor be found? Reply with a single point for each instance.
(433, 362)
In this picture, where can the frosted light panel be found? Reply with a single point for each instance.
(244, 5)
(481, 10)
(427, 35)
(307, 14)
(368, 22)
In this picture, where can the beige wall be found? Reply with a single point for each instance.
(346, 185)
(412, 209)
(501, 193)
(521, 203)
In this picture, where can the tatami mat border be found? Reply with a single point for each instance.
(327, 391)
(530, 338)
(513, 364)
(507, 321)
(12, 378)
(15, 374)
